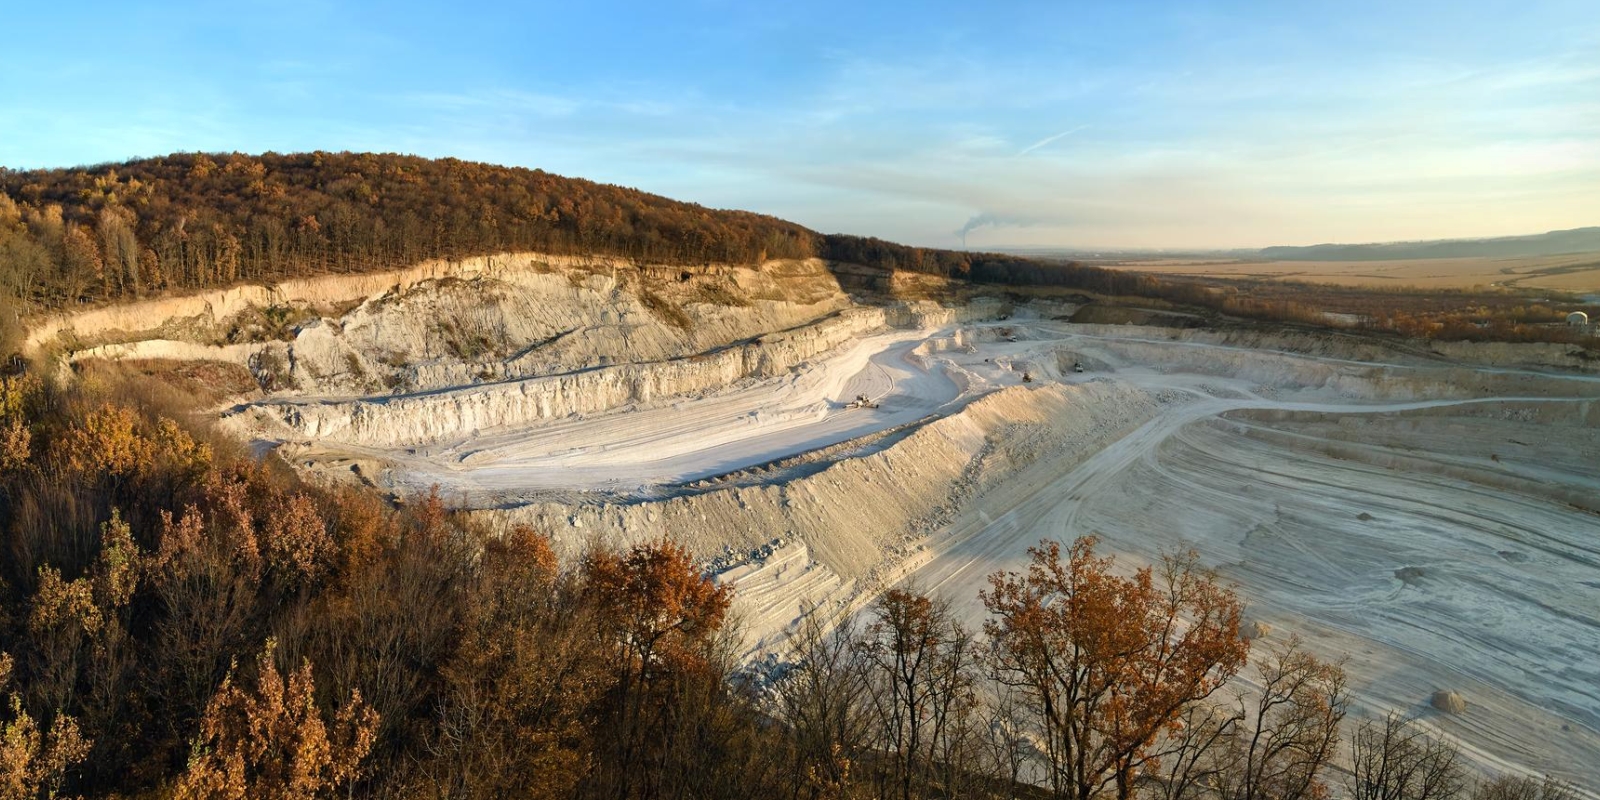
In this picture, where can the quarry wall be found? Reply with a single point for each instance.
(860, 511)
(436, 416)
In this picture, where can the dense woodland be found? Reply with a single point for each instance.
(191, 221)
(187, 222)
(181, 619)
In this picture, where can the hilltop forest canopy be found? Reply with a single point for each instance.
(193, 221)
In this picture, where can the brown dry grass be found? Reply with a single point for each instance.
(205, 383)
(1572, 273)
(669, 312)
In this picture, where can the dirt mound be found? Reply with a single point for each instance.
(1449, 702)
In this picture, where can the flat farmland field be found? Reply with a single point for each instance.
(1578, 272)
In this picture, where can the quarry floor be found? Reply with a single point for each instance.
(645, 451)
(1432, 524)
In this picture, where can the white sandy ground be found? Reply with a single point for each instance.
(1477, 569)
(1503, 606)
(1506, 609)
(688, 439)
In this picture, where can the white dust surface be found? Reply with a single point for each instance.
(1424, 520)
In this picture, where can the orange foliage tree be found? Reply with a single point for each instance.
(521, 684)
(34, 760)
(273, 743)
(658, 615)
(17, 394)
(1109, 662)
(661, 610)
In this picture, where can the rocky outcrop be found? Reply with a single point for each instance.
(537, 323)
(437, 416)
(127, 320)
(445, 324)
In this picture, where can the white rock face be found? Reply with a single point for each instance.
(530, 323)
(127, 321)
(436, 416)
(862, 519)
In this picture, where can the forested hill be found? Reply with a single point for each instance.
(189, 221)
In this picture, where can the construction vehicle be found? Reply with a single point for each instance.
(1027, 377)
(861, 401)
(1077, 366)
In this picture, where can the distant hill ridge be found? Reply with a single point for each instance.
(1575, 240)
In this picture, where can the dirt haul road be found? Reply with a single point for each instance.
(687, 439)
(1376, 531)
(1440, 587)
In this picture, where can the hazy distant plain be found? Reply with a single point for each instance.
(1578, 272)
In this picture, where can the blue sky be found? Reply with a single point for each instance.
(1131, 124)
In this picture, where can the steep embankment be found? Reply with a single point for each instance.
(859, 517)
(436, 416)
(445, 324)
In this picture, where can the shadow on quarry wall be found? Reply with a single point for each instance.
(878, 286)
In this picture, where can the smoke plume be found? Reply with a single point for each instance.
(987, 219)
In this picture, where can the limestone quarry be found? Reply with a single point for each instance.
(817, 433)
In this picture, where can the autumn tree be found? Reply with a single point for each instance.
(18, 395)
(1291, 729)
(1108, 663)
(1274, 741)
(120, 248)
(205, 594)
(1396, 759)
(274, 742)
(658, 616)
(522, 682)
(919, 664)
(78, 627)
(1507, 787)
(24, 261)
(819, 703)
(34, 759)
(395, 623)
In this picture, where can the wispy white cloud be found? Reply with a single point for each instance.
(1051, 139)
